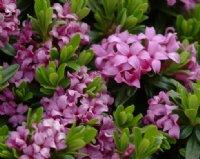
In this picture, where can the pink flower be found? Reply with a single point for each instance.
(192, 66)
(18, 139)
(64, 32)
(171, 2)
(29, 55)
(127, 57)
(130, 150)
(188, 4)
(12, 109)
(49, 134)
(8, 20)
(160, 113)
(74, 104)
(104, 148)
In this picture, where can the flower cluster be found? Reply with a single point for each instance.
(160, 113)
(104, 147)
(63, 109)
(192, 66)
(64, 32)
(8, 20)
(74, 104)
(30, 55)
(71, 88)
(49, 134)
(126, 57)
(189, 4)
(10, 108)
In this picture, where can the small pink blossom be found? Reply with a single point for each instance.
(188, 4)
(192, 66)
(73, 104)
(12, 109)
(64, 32)
(160, 113)
(49, 134)
(104, 148)
(9, 22)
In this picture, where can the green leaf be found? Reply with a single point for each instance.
(65, 157)
(55, 23)
(4, 130)
(193, 102)
(38, 115)
(64, 83)
(44, 15)
(92, 122)
(73, 65)
(186, 132)
(89, 134)
(123, 117)
(83, 13)
(85, 57)
(192, 148)
(124, 142)
(165, 145)
(116, 140)
(42, 75)
(197, 133)
(76, 144)
(8, 72)
(54, 54)
(9, 50)
(75, 41)
(66, 53)
(191, 114)
(61, 72)
(144, 145)
(53, 78)
(124, 94)
(137, 136)
(182, 152)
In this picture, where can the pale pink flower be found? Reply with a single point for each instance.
(127, 57)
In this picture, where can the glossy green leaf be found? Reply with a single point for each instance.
(73, 65)
(8, 72)
(9, 50)
(192, 148)
(186, 131)
(197, 133)
(85, 57)
(124, 94)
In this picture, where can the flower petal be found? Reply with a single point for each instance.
(156, 65)
(174, 56)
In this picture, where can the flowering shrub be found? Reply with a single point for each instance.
(85, 79)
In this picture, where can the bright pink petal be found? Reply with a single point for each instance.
(110, 71)
(134, 61)
(160, 56)
(136, 48)
(119, 59)
(175, 132)
(156, 65)
(144, 55)
(174, 56)
(150, 32)
(99, 51)
(123, 48)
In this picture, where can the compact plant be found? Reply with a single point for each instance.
(99, 79)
